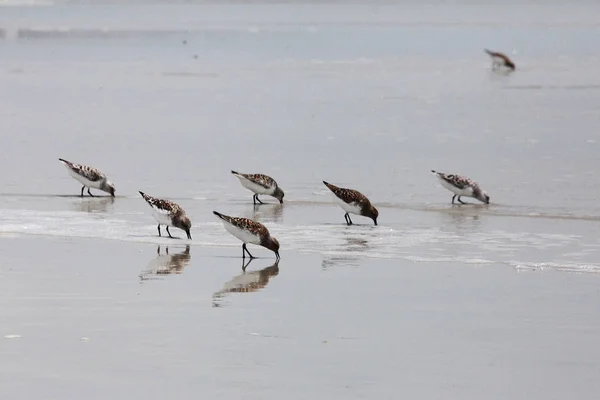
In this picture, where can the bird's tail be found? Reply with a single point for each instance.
(331, 187)
(224, 217)
(491, 53)
(145, 196)
(65, 162)
(218, 214)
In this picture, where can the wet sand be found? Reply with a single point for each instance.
(107, 319)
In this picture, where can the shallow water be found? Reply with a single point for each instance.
(169, 98)
(105, 317)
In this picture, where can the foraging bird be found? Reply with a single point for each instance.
(249, 231)
(169, 213)
(462, 186)
(89, 177)
(500, 60)
(353, 202)
(260, 184)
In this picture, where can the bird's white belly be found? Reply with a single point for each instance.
(497, 60)
(468, 191)
(349, 208)
(241, 234)
(84, 181)
(256, 188)
(162, 217)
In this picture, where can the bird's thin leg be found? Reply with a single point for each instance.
(346, 218)
(159, 230)
(245, 264)
(82, 190)
(453, 197)
(349, 220)
(246, 250)
(169, 232)
(460, 201)
(254, 199)
(257, 199)
(90, 193)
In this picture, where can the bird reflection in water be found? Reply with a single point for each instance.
(93, 204)
(247, 282)
(461, 221)
(166, 264)
(353, 245)
(266, 212)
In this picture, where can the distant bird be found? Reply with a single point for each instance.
(168, 213)
(353, 202)
(500, 60)
(89, 177)
(462, 186)
(249, 231)
(260, 184)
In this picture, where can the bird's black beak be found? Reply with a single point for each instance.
(375, 220)
(281, 201)
(189, 235)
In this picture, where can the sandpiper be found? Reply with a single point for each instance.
(462, 186)
(249, 231)
(354, 202)
(260, 184)
(500, 60)
(89, 177)
(169, 213)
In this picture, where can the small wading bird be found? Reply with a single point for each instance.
(462, 186)
(353, 202)
(168, 213)
(89, 177)
(249, 231)
(260, 184)
(500, 60)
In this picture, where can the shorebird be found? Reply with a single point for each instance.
(249, 231)
(260, 184)
(169, 213)
(500, 60)
(89, 177)
(353, 202)
(462, 186)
